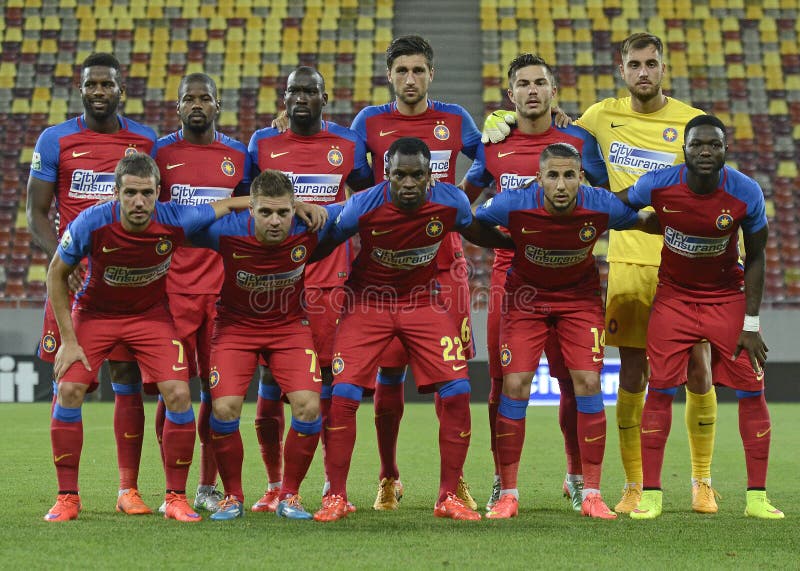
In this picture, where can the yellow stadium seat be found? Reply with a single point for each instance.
(381, 95)
(584, 58)
(778, 107)
(787, 169)
(266, 106)
(20, 106)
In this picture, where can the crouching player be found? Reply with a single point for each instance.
(553, 285)
(260, 312)
(129, 244)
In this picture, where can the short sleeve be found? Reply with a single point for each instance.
(756, 217)
(640, 194)
(44, 163)
(495, 210)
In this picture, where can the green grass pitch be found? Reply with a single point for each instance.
(547, 534)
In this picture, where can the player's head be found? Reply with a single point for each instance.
(101, 85)
(409, 172)
(704, 145)
(137, 183)
(198, 105)
(531, 85)
(409, 68)
(560, 175)
(642, 66)
(272, 206)
(305, 97)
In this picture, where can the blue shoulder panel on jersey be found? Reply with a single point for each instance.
(591, 156)
(450, 195)
(48, 149)
(359, 124)
(346, 223)
(76, 242)
(252, 147)
(620, 215)
(640, 194)
(495, 211)
(166, 141)
(747, 190)
(190, 218)
(233, 224)
(142, 130)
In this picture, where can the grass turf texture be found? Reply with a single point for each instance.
(546, 534)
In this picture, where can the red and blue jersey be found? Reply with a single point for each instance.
(81, 162)
(398, 246)
(126, 271)
(319, 167)
(700, 256)
(446, 128)
(553, 259)
(199, 174)
(263, 283)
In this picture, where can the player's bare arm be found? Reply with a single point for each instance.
(228, 205)
(58, 294)
(484, 235)
(473, 191)
(755, 265)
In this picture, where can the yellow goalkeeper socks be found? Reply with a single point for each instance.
(701, 424)
(629, 419)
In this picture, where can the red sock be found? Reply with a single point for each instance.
(67, 441)
(756, 431)
(592, 446)
(161, 415)
(389, 405)
(208, 462)
(229, 453)
(340, 441)
(129, 433)
(178, 442)
(297, 456)
(455, 428)
(494, 404)
(568, 420)
(656, 424)
(510, 440)
(269, 430)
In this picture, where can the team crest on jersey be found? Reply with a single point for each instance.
(434, 228)
(505, 356)
(163, 247)
(724, 220)
(299, 253)
(337, 365)
(587, 233)
(670, 134)
(441, 132)
(227, 166)
(213, 378)
(49, 342)
(335, 157)
(131, 150)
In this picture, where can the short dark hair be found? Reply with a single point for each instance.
(136, 164)
(409, 46)
(197, 78)
(712, 120)
(562, 150)
(102, 59)
(641, 40)
(409, 146)
(525, 60)
(271, 183)
(306, 69)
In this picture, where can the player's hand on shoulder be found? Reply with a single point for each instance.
(752, 342)
(75, 279)
(313, 215)
(561, 118)
(280, 122)
(497, 126)
(67, 354)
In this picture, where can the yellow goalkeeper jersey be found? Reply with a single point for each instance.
(632, 144)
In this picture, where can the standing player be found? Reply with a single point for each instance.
(73, 164)
(265, 252)
(704, 294)
(322, 159)
(447, 129)
(198, 165)
(553, 285)
(129, 245)
(638, 134)
(402, 224)
(513, 163)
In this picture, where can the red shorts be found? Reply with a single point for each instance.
(51, 339)
(677, 326)
(580, 332)
(453, 295)
(552, 347)
(288, 350)
(323, 307)
(427, 333)
(193, 315)
(150, 337)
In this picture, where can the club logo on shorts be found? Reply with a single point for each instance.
(434, 228)
(227, 166)
(163, 247)
(724, 220)
(337, 365)
(213, 378)
(49, 342)
(299, 253)
(335, 157)
(505, 356)
(670, 134)
(587, 233)
(131, 150)
(441, 131)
